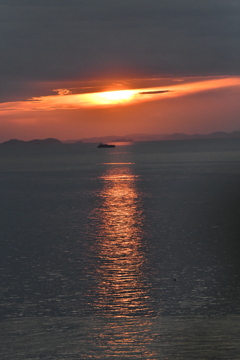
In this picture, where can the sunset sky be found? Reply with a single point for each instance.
(73, 69)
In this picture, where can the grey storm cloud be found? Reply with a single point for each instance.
(49, 40)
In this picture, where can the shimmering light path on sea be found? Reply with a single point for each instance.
(122, 288)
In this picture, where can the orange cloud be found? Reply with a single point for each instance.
(65, 100)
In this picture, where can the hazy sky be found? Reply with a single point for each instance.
(90, 46)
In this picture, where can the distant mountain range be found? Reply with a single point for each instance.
(129, 138)
(160, 137)
(48, 141)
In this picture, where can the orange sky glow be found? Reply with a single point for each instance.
(65, 100)
(118, 111)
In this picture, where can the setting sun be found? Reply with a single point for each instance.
(112, 97)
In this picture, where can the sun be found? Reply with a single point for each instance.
(112, 97)
(120, 95)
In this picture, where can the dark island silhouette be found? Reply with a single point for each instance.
(129, 138)
(163, 137)
(49, 141)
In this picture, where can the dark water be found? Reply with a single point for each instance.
(124, 253)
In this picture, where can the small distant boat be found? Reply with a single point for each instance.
(101, 145)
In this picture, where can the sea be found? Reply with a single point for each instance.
(130, 252)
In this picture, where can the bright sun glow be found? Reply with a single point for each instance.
(112, 97)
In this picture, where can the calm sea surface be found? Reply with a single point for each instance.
(124, 253)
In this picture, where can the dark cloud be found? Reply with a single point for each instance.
(79, 39)
(153, 92)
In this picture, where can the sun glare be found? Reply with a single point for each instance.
(113, 97)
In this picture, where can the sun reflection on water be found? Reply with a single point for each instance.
(122, 289)
(127, 338)
(122, 296)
